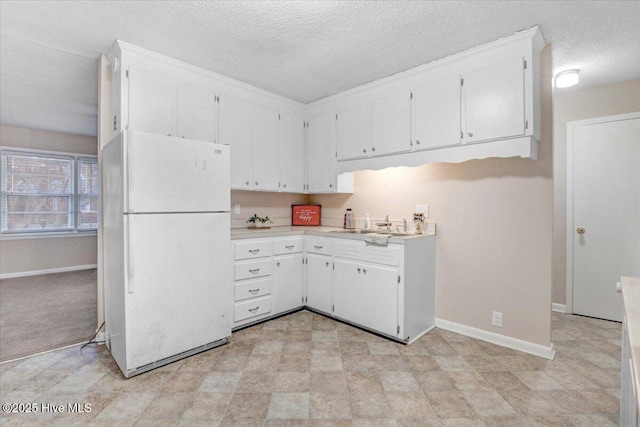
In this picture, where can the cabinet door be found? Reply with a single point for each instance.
(435, 114)
(153, 102)
(391, 124)
(265, 148)
(197, 112)
(494, 101)
(319, 273)
(379, 299)
(292, 172)
(321, 161)
(288, 278)
(347, 291)
(352, 132)
(235, 131)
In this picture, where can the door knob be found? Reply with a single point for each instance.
(580, 230)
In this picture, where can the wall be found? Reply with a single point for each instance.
(494, 230)
(35, 254)
(601, 101)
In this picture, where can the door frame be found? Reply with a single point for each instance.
(569, 200)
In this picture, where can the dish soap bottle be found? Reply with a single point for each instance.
(367, 222)
(348, 219)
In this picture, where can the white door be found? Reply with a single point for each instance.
(391, 124)
(319, 271)
(153, 102)
(288, 283)
(321, 161)
(606, 213)
(265, 148)
(494, 101)
(178, 285)
(169, 174)
(235, 131)
(352, 132)
(292, 172)
(435, 114)
(197, 112)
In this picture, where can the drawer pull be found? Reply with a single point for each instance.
(289, 246)
(327, 263)
(253, 310)
(317, 246)
(254, 251)
(254, 291)
(254, 271)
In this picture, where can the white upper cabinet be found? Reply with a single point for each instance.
(197, 112)
(493, 101)
(352, 132)
(292, 154)
(321, 161)
(265, 148)
(391, 124)
(435, 114)
(153, 102)
(235, 131)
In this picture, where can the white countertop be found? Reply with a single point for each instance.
(631, 297)
(251, 233)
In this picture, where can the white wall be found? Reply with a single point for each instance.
(494, 230)
(36, 254)
(601, 101)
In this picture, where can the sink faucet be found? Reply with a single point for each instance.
(386, 223)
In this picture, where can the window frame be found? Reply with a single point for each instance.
(75, 158)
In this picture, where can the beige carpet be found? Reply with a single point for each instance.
(40, 313)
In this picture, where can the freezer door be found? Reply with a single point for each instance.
(169, 174)
(178, 289)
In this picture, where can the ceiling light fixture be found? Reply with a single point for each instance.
(567, 78)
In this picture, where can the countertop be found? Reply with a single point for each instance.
(249, 233)
(631, 297)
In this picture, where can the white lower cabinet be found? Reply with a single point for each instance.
(288, 279)
(319, 275)
(628, 392)
(386, 289)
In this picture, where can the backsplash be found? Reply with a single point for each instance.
(277, 206)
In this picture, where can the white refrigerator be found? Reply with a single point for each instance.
(166, 248)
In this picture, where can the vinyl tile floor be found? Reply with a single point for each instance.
(307, 370)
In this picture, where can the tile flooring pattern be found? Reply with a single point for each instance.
(308, 370)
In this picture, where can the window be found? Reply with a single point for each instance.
(39, 193)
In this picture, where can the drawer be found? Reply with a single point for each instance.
(252, 269)
(252, 289)
(319, 245)
(253, 249)
(389, 255)
(353, 249)
(251, 308)
(289, 245)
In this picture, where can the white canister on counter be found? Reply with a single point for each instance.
(367, 222)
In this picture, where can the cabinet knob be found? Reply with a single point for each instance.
(168, 134)
(417, 142)
(330, 185)
(246, 182)
(373, 148)
(364, 150)
(277, 264)
(182, 136)
(470, 134)
(256, 182)
(327, 263)
(359, 269)
(364, 270)
(284, 185)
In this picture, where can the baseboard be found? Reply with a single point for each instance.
(501, 340)
(47, 271)
(558, 308)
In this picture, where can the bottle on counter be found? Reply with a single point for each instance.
(367, 222)
(348, 219)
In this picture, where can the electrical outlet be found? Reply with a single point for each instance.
(424, 209)
(496, 319)
(236, 208)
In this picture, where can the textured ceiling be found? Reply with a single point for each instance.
(303, 50)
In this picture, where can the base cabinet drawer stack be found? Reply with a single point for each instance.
(253, 280)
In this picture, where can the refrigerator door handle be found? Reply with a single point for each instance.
(130, 285)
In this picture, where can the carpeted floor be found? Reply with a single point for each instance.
(40, 313)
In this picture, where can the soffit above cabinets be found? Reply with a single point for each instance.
(303, 50)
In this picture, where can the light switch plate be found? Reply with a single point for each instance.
(236, 208)
(424, 209)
